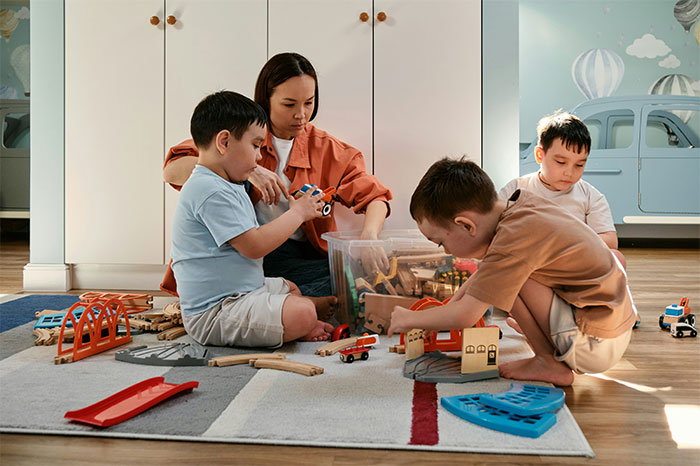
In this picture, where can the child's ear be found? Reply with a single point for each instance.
(466, 223)
(539, 153)
(222, 140)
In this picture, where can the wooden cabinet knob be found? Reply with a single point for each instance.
(381, 16)
(155, 20)
(171, 20)
(364, 17)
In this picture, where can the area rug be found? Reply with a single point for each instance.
(366, 404)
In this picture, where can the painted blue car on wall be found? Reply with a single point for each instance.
(645, 157)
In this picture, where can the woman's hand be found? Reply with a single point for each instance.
(269, 184)
(374, 260)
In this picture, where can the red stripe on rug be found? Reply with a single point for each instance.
(424, 426)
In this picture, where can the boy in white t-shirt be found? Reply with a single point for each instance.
(562, 151)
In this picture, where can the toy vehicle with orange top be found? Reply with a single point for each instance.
(328, 196)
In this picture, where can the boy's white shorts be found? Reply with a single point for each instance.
(250, 319)
(582, 353)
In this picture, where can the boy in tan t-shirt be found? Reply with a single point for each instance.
(561, 283)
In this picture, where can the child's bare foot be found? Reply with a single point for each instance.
(514, 324)
(321, 332)
(325, 306)
(544, 368)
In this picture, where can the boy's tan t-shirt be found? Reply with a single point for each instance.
(537, 239)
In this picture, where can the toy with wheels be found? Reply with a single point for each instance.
(328, 197)
(677, 313)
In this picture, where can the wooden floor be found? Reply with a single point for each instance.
(622, 412)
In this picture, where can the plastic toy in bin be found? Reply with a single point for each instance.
(328, 196)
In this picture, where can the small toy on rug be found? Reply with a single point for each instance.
(93, 333)
(131, 302)
(425, 361)
(168, 354)
(525, 410)
(129, 402)
(360, 349)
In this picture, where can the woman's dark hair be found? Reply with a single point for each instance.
(277, 70)
(569, 128)
(450, 187)
(224, 110)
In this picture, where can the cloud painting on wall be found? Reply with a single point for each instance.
(648, 46)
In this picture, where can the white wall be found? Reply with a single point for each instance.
(46, 270)
(500, 90)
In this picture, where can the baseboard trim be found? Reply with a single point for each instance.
(46, 277)
(117, 277)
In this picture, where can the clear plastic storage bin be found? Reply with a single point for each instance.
(417, 268)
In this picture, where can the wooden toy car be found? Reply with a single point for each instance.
(682, 329)
(361, 349)
(677, 313)
(328, 197)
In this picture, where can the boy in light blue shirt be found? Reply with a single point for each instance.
(218, 245)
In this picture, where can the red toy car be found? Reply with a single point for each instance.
(361, 349)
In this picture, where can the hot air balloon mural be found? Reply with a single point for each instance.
(686, 12)
(597, 72)
(675, 84)
(20, 63)
(8, 23)
(696, 32)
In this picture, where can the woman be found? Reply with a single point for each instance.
(295, 153)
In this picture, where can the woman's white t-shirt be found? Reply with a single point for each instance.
(267, 213)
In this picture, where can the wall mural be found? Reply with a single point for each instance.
(14, 27)
(574, 51)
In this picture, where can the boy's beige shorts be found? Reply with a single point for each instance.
(582, 353)
(250, 319)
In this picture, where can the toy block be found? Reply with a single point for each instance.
(376, 323)
(439, 258)
(162, 326)
(172, 333)
(398, 349)
(479, 349)
(415, 345)
(289, 366)
(406, 279)
(44, 337)
(389, 287)
(363, 286)
(392, 273)
(234, 359)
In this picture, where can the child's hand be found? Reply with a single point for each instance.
(307, 206)
(400, 321)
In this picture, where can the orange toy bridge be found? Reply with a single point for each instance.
(97, 326)
(432, 343)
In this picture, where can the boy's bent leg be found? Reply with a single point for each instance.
(300, 321)
(531, 310)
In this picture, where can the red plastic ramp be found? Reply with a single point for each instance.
(128, 402)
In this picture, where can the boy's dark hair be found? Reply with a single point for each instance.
(224, 110)
(569, 128)
(277, 70)
(450, 187)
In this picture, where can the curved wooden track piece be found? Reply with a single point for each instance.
(335, 346)
(289, 366)
(223, 361)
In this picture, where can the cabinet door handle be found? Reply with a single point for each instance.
(381, 16)
(171, 20)
(155, 20)
(364, 17)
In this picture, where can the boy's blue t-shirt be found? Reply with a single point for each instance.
(210, 212)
